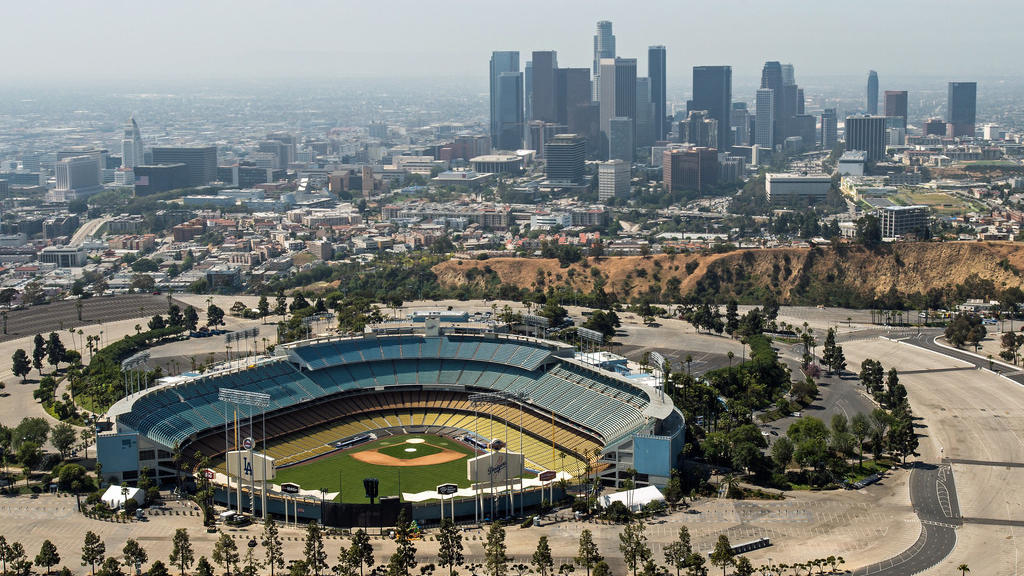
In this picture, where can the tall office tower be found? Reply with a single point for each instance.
(788, 74)
(201, 162)
(712, 91)
(528, 86)
(896, 106)
(772, 78)
(693, 169)
(656, 72)
(739, 121)
(618, 92)
(866, 133)
(872, 93)
(545, 66)
(612, 180)
(508, 100)
(764, 120)
(699, 129)
(501, 62)
(565, 158)
(961, 108)
(604, 47)
(572, 91)
(644, 136)
(131, 145)
(620, 139)
(77, 173)
(829, 128)
(799, 101)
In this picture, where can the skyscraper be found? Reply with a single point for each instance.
(201, 162)
(656, 74)
(866, 133)
(565, 157)
(764, 122)
(131, 145)
(571, 91)
(545, 66)
(644, 136)
(604, 47)
(788, 74)
(712, 91)
(501, 62)
(829, 128)
(772, 78)
(896, 105)
(528, 87)
(620, 139)
(739, 120)
(961, 108)
(618, 91)
(872, 92)
(509, 111)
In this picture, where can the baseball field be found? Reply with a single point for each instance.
(417, 462)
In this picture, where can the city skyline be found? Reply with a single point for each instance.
(371, 43)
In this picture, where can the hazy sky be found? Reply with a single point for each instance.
(138, 40)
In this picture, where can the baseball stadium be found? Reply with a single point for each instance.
(412, 407)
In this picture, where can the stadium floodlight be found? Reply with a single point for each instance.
(244, 398)
(656, 360)
(590, 335)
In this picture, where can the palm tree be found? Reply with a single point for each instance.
(964, 569)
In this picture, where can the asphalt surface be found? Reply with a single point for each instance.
(933, 496)
(926, 340)
(701, 362)
(62, 315)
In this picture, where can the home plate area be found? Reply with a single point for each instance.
(407, 452)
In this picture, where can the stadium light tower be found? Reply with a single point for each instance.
(251, 400)
(500, 397)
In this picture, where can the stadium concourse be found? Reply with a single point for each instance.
(327, 395)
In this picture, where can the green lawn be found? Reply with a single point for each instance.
(341, 467)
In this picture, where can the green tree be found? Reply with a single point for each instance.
(5, 553)
(587, 553)
(860, 427)
(63, 438)
(782, 452)
(134, 554)
(281, 307)
(314, 552)
(21, 365)
(191, 318)
(55, 350)
(449, 546)
(869, 232)
(174, 317)
(541, 560)
(744, 567)
(38, 353)
(964, 569)
(111, 567)
(182, 554)
(93, 550)
(48, 556)
(633, 545)
(160, 569)
(272, 544)
(264, 307)
(203, 567)
(157, 323)
(722, 556)
(361, 550)
(404, 558)
(678, 553)
(214, 316)
(225, 553)
(496, 557)
(20, 564)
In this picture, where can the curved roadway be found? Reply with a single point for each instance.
(933, 495)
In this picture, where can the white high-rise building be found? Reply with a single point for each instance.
(613, 180)
(764, 122)
(131, 145)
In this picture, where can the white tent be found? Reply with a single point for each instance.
(115, 496)
(633, 499)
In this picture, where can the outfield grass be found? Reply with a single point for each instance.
(342, 467)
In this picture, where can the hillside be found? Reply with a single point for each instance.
(844, 275)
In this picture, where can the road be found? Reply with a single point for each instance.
(86, 230)
(926, 340)
(934, 498)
